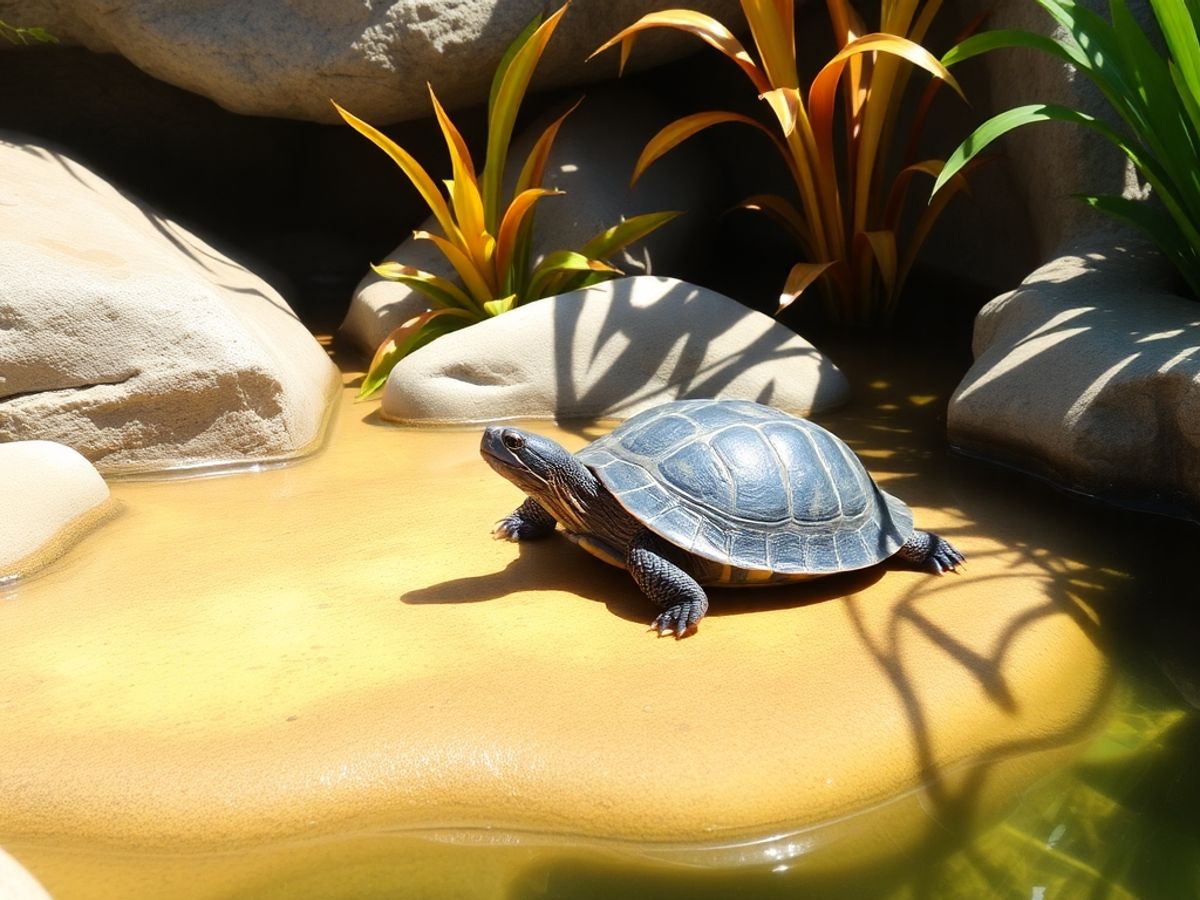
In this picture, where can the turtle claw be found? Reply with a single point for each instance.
(680, 620)
(944, 557)
(507, 529)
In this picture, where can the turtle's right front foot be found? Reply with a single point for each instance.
(527, 522)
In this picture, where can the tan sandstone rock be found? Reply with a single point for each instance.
(287, 59)
(592, 161)
(1089, 373)
(51, 496)
(130, 339)
(612, 350)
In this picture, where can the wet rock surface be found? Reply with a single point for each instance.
(1089, 374)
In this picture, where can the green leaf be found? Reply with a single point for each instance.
(1001, 124)
(412, 335)
(563, 261)
(1160, 227)
(625, 233)
(503, 305)
(502, 113)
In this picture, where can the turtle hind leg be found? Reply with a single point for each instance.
(527, 522)
(928, 551)
(681, 599)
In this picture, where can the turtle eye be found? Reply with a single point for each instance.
(513, 441)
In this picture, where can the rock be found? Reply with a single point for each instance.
(611, 350)
(16, 883)
(592, 161)
(1089, 374)
(128, 338)
(51, 497)
(422, 711)
(288, 58)
(1053, 163)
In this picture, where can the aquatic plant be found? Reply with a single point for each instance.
(17, 35)
(1157, 99)
(489, 243)
(849, 220)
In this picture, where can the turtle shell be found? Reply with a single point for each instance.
(748, 486)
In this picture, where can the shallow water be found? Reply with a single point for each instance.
(249, 588)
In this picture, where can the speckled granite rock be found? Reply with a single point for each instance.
(287, 59)
(612, 350)
(592, 160)
(130, 339)
(50, 496)
(1089, 373)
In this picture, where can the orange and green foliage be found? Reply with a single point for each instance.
(487, 241)
(851, 202)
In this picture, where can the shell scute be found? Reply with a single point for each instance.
(749, 487)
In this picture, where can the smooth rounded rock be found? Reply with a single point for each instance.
(130, 339)
(16, 883)
(613, 349)
(274, 58)
(591, 162)
(1089, 374)
(51, 496)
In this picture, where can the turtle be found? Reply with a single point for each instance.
(695, 493)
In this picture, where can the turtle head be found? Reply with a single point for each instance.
(543, 468)
(535, 465)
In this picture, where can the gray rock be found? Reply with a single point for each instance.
(611, 350)
(130, 339)
(288, 59)
(592, 160)
(1089, 374)
(51, 496)
(1052, 162)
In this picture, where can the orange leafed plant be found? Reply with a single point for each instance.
(486, 241)
(848, 215)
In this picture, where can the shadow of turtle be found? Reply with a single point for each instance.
(554, 565)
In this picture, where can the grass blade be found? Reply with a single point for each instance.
(702, 26)
(420, 179)
(681, 129)
(502, 115)
(621, 235)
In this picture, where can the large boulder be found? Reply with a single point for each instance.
(51, 497)
(128, 338)
(288, 58)
(612, 350)
(592, 160)
(1053, 163)
(1089, 374)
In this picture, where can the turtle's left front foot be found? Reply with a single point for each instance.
(931, 552)
(527, 522)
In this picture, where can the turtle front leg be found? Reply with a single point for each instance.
(930, 552)
(682, 601)
(527, 522)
